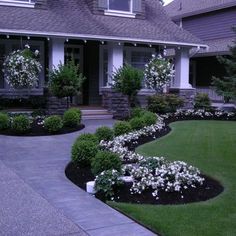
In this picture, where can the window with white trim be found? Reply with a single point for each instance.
(135, 56)
(18, 3)
(120, 5)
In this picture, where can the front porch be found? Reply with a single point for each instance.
(97, 59)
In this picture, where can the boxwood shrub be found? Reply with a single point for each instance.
(122, 127)
(71, 118)
(105, 160)
(149, 118)
(137, 123)
(202, 101)
(4, 121)
(137, 112)
(83, 152)
(88, 137)
(104, 133)
(53, 124)
(20, 124)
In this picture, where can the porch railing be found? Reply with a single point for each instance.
(211, 93)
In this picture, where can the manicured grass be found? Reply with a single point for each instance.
(210, 146)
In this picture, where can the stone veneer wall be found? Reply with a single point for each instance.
(56, 106)
(115, 102)
(187, 94)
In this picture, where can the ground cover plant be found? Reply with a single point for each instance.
(209, 145)
(39, 124)
(154, 180)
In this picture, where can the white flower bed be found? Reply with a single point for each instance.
(156, 173)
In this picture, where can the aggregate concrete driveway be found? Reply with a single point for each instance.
(37, 199)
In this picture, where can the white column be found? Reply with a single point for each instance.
(181, 79)
(115, 58)
(56, 52)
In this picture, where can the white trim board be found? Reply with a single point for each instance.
(100, 37)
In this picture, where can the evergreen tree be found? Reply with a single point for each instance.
(226, 86)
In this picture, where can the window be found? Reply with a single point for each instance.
(136, 57)
(18, 3)
(120, 5)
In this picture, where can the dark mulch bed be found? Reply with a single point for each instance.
(210, 189)
(37, 130)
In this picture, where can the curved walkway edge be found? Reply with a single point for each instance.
(37, 198)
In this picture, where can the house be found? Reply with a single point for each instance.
(212, 22)
(100, 35)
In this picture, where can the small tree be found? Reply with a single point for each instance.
(158, 73)
(226, 86)
(128, 81)
(65, 80)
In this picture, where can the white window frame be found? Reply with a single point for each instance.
(81, 49)
(15, 3)
(34, 91)
(128, 51)
(112, 12)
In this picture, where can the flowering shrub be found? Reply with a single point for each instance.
(170, 176)
(22, 69)
(158, 72)
(156, 173)
(107, 181)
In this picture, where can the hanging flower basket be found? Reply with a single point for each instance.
(21, 69)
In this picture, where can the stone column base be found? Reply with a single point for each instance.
(187, 94)
(115, 102)
(56, 106)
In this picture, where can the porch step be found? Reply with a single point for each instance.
(95, 113)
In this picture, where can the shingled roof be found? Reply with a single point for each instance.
(178, 9)
(74, 19)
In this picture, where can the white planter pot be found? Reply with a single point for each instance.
(127, 179)
(90, 187)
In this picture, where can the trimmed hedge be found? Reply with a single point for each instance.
(53, 124)
(122, 127)
(4, 121)
(88, 137)
(104, 133)
(20, 124)
(72, 118)
(83, 152)
(105, 160)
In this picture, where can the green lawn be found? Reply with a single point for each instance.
(210, 146)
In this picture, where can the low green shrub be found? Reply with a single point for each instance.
(106, 183)
(164, 103)
(202, 101)
(53, 124)
(137, 112)
(137, 123)
(4, 121)
(104, 133)
(88, 137)
(174, 102)
(149, 118)
(105, 160)
(71, 118)
(122, 127)
(83, 152)
(20, 124)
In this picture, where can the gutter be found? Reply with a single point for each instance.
(98, 37)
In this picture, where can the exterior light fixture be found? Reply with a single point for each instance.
(28, 37)
(48, 38)
(135, 44)
(67, 40)
(8, 36)
(102, 42)
(85, 41)
(150, 45)
(119, 43)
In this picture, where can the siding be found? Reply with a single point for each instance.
(214, 25)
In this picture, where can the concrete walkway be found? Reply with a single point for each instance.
(37, 199)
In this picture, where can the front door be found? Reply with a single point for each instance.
(75, 52)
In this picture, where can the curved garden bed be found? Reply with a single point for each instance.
(201, 191)
(25, 124)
